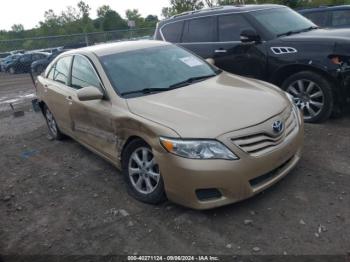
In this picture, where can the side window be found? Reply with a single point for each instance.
(83, 74)
(231, 26)
(341, 18)
(172, 32)
(35, 56)
(61, 70)
(319, 18)
(51, 72)
(199, 30)
(25, 58)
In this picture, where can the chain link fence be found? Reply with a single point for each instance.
(72, 40)
(21, 57)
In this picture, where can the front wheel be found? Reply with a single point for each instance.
(312, 93)
(142, 173)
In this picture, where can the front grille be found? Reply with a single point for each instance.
(261, 143)
(260, 180)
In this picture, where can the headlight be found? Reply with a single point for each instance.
(197, 149)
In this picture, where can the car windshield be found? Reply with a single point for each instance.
(283, 21)
(156, 68)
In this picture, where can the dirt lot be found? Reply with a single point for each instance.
(59, 198)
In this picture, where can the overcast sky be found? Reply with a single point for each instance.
(30, 12)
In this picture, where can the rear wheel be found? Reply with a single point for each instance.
(312, 93)
(12, 70)
(142, 174)
(54, 131)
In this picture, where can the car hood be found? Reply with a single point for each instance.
(212, 107)
(320, 34)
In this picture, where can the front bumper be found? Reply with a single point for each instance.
(236, 180)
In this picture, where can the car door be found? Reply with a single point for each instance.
(230, 54)
(58, 95)
(91, 120)
(199, 36)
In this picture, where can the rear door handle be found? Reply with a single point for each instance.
(69, 99)
(220, 51)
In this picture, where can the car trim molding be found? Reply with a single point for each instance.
(283, 50)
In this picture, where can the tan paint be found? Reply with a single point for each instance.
(227, 108)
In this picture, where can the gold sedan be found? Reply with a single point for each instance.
(177, 126)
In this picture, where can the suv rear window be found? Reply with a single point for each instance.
(231, 26)
(341, 18)
(199, 30)
(172, 32)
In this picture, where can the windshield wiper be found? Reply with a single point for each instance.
(145, 91)
(291, 32)
(190, 81)
(171, 87)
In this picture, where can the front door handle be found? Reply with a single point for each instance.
(220, 51)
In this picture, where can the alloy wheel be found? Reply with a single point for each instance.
(308, 96)
(143, 170)
(51, 122)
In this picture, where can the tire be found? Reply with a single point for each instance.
(312, 94)
(12, 70)
(54, 131)
(142, 185)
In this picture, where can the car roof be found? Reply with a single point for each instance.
(220, 10)
(117, 47)
(325, 8)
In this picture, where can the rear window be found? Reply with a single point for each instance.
(60, 71)
(199, 30)
(319, 18)
(231, 26)
(172, 32)
(341, 18)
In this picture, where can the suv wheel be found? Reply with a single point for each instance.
(312, 93)
(142, 174)
(54, 131)
(12, 70)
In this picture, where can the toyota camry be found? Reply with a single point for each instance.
(177, 126)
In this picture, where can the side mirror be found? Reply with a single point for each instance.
(249, 36)
(89, 93)
(210, 61)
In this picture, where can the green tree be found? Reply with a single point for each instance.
(134, 15)
(70, 15)
(113, 21)
(17, 28)
(103, 10)
(84, 9)
(180, 6)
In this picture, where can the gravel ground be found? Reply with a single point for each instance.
(58, 198)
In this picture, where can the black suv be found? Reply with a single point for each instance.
(272, 43)
(329, 16)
